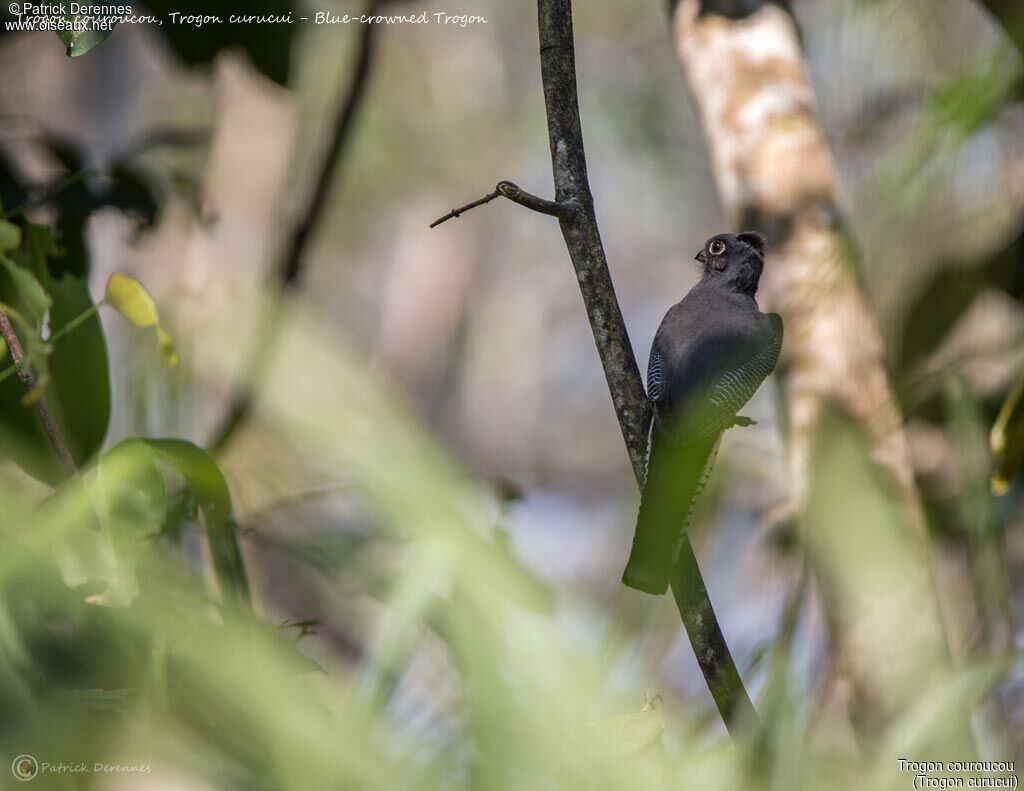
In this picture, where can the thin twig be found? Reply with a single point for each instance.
(27, 377)
(463, 209)
(289, 270)
(50, 194)
(506, 189)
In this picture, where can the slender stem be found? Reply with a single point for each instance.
(27, 377)
(463, 209)
(77, 321)
(62, 186)
(8, 372)
(289, 271)
(506, 189)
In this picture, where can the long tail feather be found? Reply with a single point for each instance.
(676, 477)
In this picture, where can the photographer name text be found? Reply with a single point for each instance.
(91, 16)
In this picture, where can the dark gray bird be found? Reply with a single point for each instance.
(710, 354)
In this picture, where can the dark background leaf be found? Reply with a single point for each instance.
(948, 295)
(78, 393)
(268, 46)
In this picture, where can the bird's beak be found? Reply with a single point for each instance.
(702, 257)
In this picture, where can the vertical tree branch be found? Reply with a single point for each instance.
(583, 241)
(46, 417)
(289, 270)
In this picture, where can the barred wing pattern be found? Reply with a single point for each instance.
(735, 388)
(656, 376)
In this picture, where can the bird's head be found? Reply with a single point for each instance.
(734, 260)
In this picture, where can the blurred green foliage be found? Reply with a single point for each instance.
(116, 649)
(128, 634)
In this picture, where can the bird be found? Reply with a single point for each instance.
(710, 354)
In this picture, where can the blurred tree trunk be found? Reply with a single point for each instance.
(775, 173)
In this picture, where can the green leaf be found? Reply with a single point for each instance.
(10, 236)
(866, 554)
(40, 247)
(134, 504)
(966, 430)
(205, 481)
(946, 296)
(128, 497)
(78, 42)
(1007, 440)
(75, 374)
(80, 368)
(27, 294)
(933, 716)
(962, 104)
(72, 373)
(168, 353)
(129, 298)
(118, 700)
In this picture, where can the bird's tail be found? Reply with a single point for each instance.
(676, 477)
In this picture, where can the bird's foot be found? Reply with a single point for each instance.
(743, 422)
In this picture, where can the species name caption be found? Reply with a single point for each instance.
(82, 17)
(960, 774)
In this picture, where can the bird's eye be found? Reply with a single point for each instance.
(717, 247)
